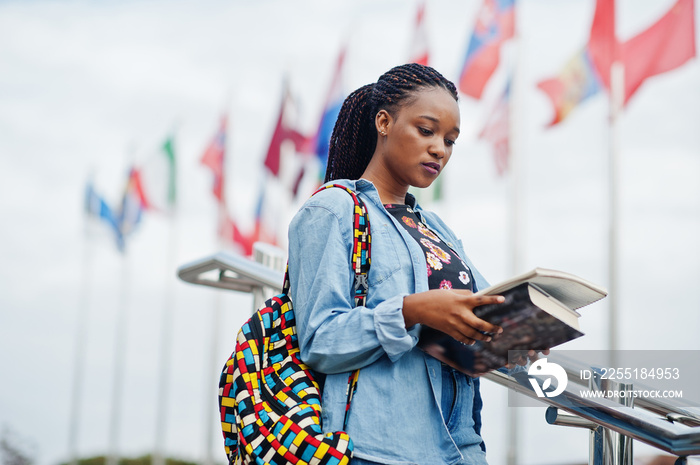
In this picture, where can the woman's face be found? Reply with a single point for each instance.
(419, 136)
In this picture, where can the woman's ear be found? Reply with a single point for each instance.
(382, 122)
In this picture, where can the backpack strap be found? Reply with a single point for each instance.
(361, 247)
(361, 244)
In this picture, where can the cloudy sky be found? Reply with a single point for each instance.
(88, 87)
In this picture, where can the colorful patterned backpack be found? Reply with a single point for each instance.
(269, 400)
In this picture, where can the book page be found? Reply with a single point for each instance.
(572, 291)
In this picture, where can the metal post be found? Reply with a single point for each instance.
(80, 353)
(607, 447)
(617, 90)
(269, 255)
(555, 416)
(120, 341)
(272, 257)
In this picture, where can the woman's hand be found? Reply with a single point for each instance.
(451, 311)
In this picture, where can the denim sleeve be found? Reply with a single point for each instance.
(334, 335)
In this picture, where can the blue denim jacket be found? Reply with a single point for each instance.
(395, 416)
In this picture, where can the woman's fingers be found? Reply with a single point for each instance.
(480, 325)
(474, 327)
(472, 300)
(477, 301)
(477, 329)
(450, 311)
(467, 340)
(470, 336)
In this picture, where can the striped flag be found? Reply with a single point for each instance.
(575, 83)
(497, 131)
(214, 157)
(494, 25)
(587, 72)
(133, 203)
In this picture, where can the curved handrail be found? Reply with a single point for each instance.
(682, 411)
(675, 438)
(230, 271)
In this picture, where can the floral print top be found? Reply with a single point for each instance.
(445, 269)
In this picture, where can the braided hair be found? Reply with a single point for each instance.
(354, 135)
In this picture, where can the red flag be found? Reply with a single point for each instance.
(602, 47)
(214, 157)
(135, 188)
(230, 231)
(495, 24)
(664, 46)
(419, 44)
(283, 131)
(497, 131)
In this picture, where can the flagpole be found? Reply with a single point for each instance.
(214, 366)
(163, 393)
(163, 390)
(516, 163)
(617, 83)
(210, 407)
(119, 362)
(516, 202)
(79, 356)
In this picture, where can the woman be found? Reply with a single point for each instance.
(408, 407)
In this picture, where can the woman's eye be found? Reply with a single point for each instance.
(449, 142)
(425, 132)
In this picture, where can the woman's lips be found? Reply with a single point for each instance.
(433, 168)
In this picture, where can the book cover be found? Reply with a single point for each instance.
(526, 326)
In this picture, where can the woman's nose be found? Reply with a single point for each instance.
(438, 150)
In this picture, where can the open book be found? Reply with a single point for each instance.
(539, 313)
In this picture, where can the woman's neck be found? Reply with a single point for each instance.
(389, 191)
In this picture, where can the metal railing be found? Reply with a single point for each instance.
(670, 427)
